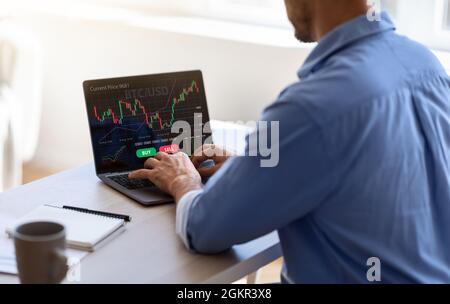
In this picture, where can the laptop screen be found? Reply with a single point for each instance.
(131, 118)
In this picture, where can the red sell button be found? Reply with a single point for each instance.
(169, 149)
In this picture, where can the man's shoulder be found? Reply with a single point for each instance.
(414, 56)
(359, 75)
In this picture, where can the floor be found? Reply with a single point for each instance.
(268, 274)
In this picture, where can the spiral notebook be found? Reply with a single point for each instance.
(84, 231)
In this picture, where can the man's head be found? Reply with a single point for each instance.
(300, 15)
(312, 19)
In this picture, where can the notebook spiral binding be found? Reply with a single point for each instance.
(99, 213)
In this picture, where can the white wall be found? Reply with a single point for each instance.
(240, 78)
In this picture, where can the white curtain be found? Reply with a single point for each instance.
(10, 159)
(20, 101)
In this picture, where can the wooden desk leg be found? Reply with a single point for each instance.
(252, 278)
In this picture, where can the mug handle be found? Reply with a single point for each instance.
(59, 268)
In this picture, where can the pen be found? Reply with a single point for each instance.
(126, 218)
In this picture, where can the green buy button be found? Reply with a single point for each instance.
(148, 152)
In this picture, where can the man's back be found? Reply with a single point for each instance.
(382, 105)
(363, 170)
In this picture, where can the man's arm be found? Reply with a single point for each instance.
(182, 217)
(244, 201)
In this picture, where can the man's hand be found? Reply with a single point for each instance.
(214, 152)
(174, 174)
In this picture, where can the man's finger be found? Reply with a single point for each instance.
(208, 151)
(199, 150)
(140, 174)
(151, 163)
(197, 160)
(211, 152)
(161, 155)
(207, 172)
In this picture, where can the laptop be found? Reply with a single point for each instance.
(131, 119)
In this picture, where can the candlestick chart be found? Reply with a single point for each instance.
(141, 117)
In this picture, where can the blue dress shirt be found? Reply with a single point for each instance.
(364, 167)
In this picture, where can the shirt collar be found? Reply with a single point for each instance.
(349, 32)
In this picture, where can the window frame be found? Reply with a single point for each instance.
(441, 37)
(446, 16)
(438, 33)
(434, 33)
(220, 10)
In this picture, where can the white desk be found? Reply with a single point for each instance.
(148, 251)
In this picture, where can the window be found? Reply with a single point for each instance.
(441, 35)
(259, 12)
(447, 15)
(390, 6)
(262, 12)
(427, 21)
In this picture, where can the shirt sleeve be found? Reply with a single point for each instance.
(182, 216)
(245, 200)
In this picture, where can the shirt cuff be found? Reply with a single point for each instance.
(182, 217)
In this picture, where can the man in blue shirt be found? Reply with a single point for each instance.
(363, 171)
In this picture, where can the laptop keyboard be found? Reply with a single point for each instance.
(131, 184)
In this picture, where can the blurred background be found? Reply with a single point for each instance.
(245, 48)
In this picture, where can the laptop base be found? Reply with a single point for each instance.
(150, 196)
